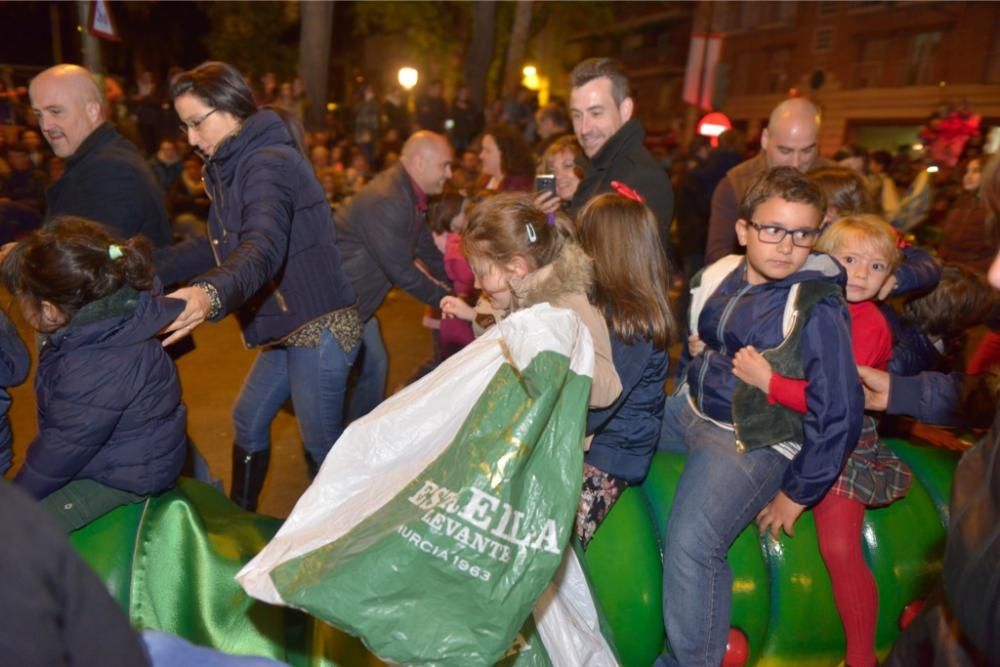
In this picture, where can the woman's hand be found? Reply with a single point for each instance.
(887, 287)
(750, 366)
(548, 201)
(453, 306)
(197, 306)
(780, 513)
(695, 346)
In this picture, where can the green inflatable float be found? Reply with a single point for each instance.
(170, 563)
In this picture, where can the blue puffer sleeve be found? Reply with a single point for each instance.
(267, 200)
(930, 397)
(835, 400)
(919, 272)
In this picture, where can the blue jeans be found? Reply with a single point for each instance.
(720, 492)
(373, 369)
(671, 429)
(316, 380)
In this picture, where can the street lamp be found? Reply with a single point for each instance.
(408, 77)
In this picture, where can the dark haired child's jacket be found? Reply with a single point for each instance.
(626, 432)
(14, 364)
(271, 251)
(109, 400)
(738, 314)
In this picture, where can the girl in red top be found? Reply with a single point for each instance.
(866, 247)
(448, 218)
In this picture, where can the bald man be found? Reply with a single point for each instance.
(380, 235)
(789, 140)
(105, 178)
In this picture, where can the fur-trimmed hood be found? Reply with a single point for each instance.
(572, 272)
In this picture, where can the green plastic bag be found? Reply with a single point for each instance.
(437, 522)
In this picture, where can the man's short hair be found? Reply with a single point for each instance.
(789, 184)
(595, 68)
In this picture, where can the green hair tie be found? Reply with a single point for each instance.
(115, 251)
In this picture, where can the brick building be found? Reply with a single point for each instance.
(877, 69)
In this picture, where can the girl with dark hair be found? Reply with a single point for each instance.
(111, 425)
(507, 162)
(271, 257)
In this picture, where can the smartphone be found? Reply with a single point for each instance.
(545, 183)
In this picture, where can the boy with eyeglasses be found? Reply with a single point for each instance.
(749, 458)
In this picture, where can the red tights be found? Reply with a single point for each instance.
(838, 527)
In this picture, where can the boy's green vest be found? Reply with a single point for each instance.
(756, 422)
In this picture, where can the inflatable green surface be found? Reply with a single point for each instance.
(170, 563)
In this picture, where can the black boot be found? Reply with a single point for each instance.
(249, 471)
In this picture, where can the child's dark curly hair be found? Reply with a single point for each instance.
(72, 261)
(961, 300)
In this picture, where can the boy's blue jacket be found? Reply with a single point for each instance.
(738, 314)
(14, 364)
(626, 432)
(109, 400)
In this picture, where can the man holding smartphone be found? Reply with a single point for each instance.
(601, 111)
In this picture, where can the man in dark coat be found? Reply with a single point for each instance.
(106, 178)
(380, 235)
(601, 110)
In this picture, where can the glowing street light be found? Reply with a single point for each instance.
(408, 77)
(530, 78)
(712, 125)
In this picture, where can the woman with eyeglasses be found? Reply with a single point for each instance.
(270, 257)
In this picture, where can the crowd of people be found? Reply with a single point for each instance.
(302, 235)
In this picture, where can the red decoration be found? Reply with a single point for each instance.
(737, 649)
(626, 191)
(947, 132)
(910, 613)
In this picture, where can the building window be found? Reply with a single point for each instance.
(867, 71)
(742, 68)
(776, 75)
(920, 67)
(774, 14)
(823, 40)
(993, 62)
(828, 8)
(861, 6)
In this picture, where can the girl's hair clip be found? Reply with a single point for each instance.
(626, 191)
(901, 242)
(115, 251)
(532, 236)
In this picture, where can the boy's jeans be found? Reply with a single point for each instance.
(719, 493)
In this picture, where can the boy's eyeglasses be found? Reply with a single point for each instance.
(195, 124)
(803, 238)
